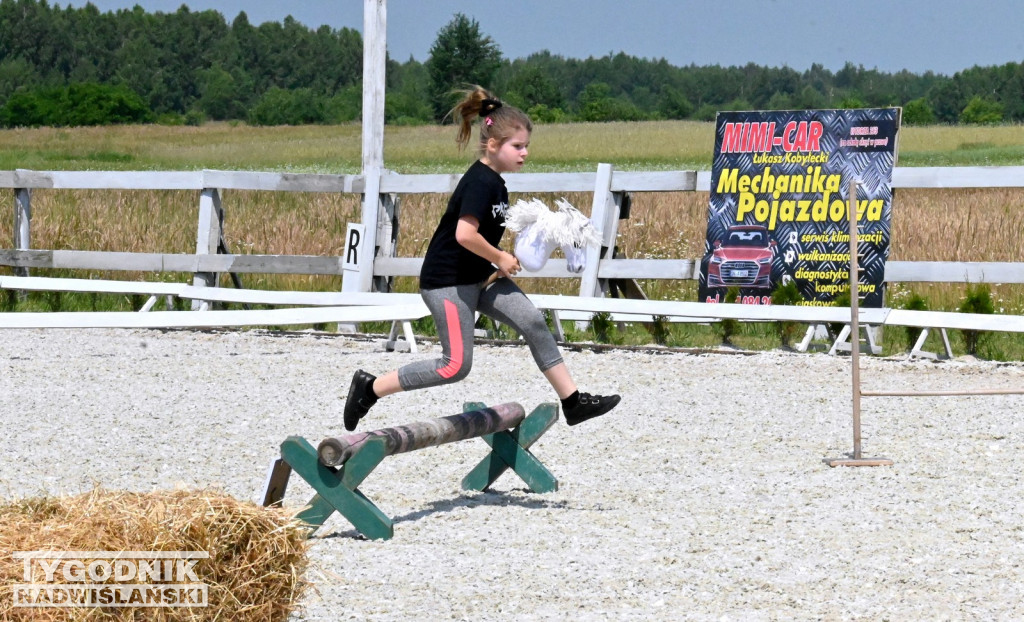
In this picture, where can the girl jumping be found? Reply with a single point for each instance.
(461, 256)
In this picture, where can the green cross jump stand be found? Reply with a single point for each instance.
(339, 465)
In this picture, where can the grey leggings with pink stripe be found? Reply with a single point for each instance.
(454, 311)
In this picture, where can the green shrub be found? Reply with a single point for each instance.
(602, 326)
(195, 118)
(660, 330)
(170, 118)
(598, 105)
(398, 110)
(779, 101)
(672, 104)
(540, 113)
(102, 104)
(841, 300)
(977, 300)
(915, 303)
(738, 104)
(9, 301)
(706, 112)
(982, 111)
(918, 112)
(729, 326)
(75, 105)
(787, 294)
(851, 102)
(283, 107)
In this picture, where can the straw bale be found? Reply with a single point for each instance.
(257, 555)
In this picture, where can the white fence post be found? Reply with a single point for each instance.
(374, 68)
(367, 250)
(22, 223)
(207, 240)
(605, 215)
(602, 210)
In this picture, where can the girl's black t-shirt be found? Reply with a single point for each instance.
(480, 193)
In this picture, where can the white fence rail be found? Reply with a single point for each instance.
(607, 185)
(609, 189)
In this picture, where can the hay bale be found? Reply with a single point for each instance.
(257, 555)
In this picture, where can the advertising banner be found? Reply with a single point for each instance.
(779, 203)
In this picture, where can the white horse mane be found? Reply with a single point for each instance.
(565, 227)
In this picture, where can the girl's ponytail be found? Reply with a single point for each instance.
(498, 120)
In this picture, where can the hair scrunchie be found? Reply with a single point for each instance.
(489, 105)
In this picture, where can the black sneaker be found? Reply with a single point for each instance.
(358, 402)
(590, 406)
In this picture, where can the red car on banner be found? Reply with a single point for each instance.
(743, 259)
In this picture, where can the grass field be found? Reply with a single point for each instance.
(936, 225)
(654, 145)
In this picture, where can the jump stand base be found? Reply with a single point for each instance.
(859, 462)
(337, 488)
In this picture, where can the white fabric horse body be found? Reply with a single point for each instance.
(539, 230)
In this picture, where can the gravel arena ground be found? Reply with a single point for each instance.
(705, 496)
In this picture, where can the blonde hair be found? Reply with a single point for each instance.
(497, 120)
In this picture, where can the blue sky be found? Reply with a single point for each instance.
(944, 36)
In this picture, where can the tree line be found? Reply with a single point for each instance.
(78, 66)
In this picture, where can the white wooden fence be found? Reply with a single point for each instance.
(609, 189)
(608, 186)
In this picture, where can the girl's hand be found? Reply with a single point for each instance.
(508, 264)
(467, 233)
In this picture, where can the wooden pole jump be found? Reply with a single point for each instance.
(336, 450)
(943, 393)
(340, 465)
